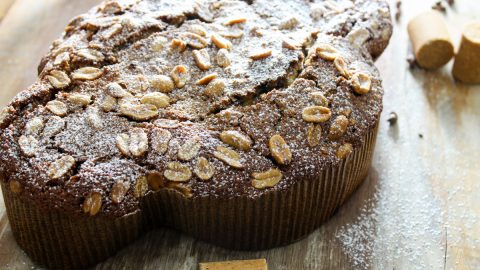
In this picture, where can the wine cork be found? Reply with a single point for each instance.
(467, 61)
(430, 39)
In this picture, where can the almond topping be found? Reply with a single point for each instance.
(266, 179)
(280, 150)
(215, 88)
(195, 41)
(223, 58)
(162, 83)
(155, 180)
(361, 83)
(92, 204)
(119, 190)
(87, 73)
(204, 169)
(314, 134)
(180, 76)
(236, 139)
(178, 45)
(60, 167)
(228, 156)
(141, 187)
(326, 52)
(139, 112)
(316, 114)
(259, 55)
(177, 172)
(57, 107)
(28, 145)
(221, 42)
(339, 127)
(344, 150)
(157, 99)
(202, 59)
(79, 99)
(233, 21)
(206, 79)
(189, 149)
(160, 140)
(58, 79)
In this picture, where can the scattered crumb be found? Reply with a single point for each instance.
(440, 6)
(411, 61)
(392, 118)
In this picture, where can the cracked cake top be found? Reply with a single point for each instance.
(210, 98)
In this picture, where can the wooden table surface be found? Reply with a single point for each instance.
(417, 209)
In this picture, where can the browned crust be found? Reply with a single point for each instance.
(62, 241)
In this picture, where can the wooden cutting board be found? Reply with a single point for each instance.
(428, 161)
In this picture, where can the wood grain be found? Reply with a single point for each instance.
(446, 113)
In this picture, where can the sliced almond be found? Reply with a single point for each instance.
(60, 167)
(204, 169)
(215, 88)
(344, 150)
(236, 20)
(202, 59)
(119, 190)
(157, 99)
(116, 90)
(177, 172)
(58, 79)
(361, 83)
(261, 54)
(180, 76)
(141, 187)
(92, 204)
(198, 29)
(160, 139)
(87, 73)
(316, 114)
(229, 156)
(326, 51)
(57, 107)
(178, 45)
(34, 126)
(223, 58)
(139, 112)
(90, 54)
(189, 149)
(236, 139)
(167, 123)
(195, 41)
(314, 134)
(221, 42)
(266, 179)
(156, 180)
(54, 125)
(138, 142)
(339, 127)
(28, 145)
(280, 150)
(80, 99)
(162, 83)
(206, 79)
(108, 103)
(341, 67)
(319, 99)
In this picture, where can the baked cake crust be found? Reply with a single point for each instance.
(203, 102)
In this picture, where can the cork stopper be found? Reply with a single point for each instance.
(467, 61)
(430, 39)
